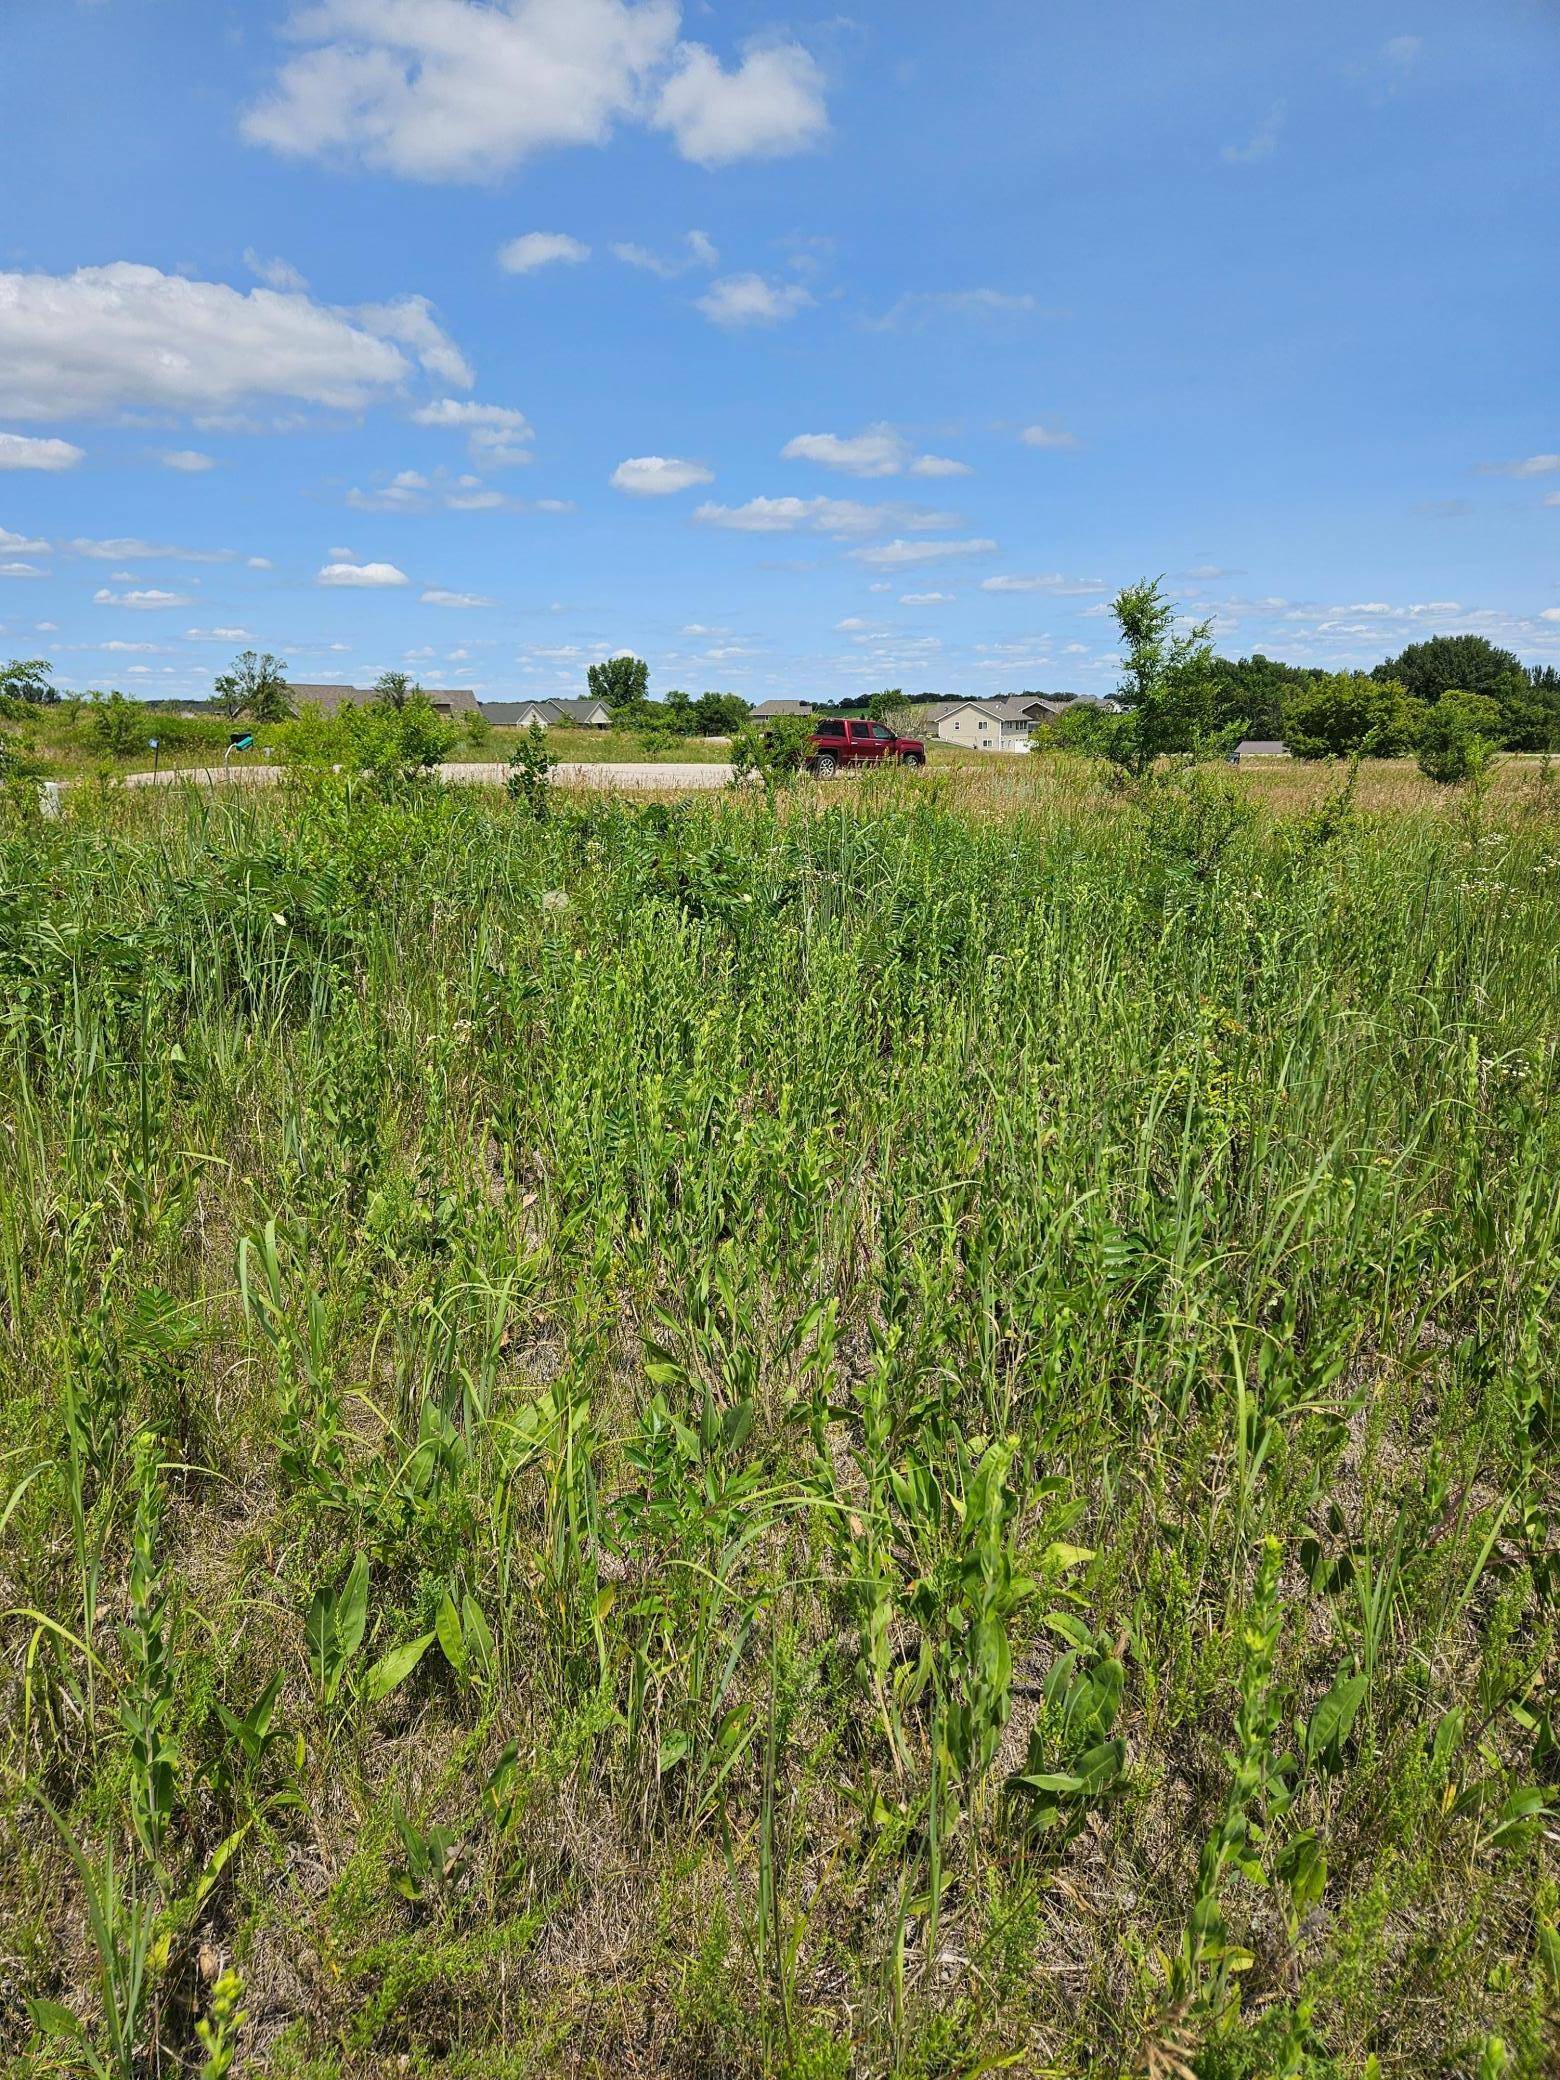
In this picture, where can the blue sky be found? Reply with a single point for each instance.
(798, 352)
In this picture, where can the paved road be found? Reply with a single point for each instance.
(581, 773)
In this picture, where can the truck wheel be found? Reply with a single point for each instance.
(824, 764)
(914, 758)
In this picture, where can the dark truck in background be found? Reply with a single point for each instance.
(849, 740)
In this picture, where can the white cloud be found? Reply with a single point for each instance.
(218, 635)
(1527, 466)
(436, 596)
(108, 339)
(654, 476)
(17, 451)
(133, 649)
(841, 517)
(21, 570)
(1052, 582)
(1043, 436)
(851, 624)
(882, 451)
(452, 90)
(897, 555)
(770, 105)
(1262, 143)
(737, 300)
(1549, 614)
(143, 599)
(129, 548)
(534, 249)
(410, 321)
(921, 304)
(926, 599)
(259, 563)
(495, 433)
(21, 544)
(879, 452)
(702, 252)
(370, 574)
(189, 460)
(1402, 53)
(275, 274)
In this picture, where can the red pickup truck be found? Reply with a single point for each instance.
(849, 740)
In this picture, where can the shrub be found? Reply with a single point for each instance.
(1344, 712)
(386, 742)
(1457, 737)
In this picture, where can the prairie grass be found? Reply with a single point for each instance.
(909, 1432)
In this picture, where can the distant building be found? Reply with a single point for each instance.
(1005, 723)
(771, 711)
(586, 712)
(1258, 747)
(330, 699)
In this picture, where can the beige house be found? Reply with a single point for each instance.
(330, 699)
(584, 713)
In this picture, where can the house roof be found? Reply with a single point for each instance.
(1261, 747)
(937, 711)
(328, 699)
(510, 714)
(782, 707)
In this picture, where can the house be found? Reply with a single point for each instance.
(328, 700)
(584, 713)
(771, 711)
(977, 725)
(1258, 747)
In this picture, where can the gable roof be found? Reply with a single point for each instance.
(767, 709)
(511, 714)
(329, 699)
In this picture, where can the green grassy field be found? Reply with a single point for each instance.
(909, 1433)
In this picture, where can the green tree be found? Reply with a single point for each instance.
(622, 682)
(1340, 713)
(395, 689)
(1166, 689)
(720, 714)
(27, 679)
(117, 724)
(256, 686)
(1249, 692)
(1530, 710)
(888, 706)
(1447, 664)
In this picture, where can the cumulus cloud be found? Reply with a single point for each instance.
(772, 104)
(740, 300)
(1042, 436)
(219, 635)
(926, 599)
(495, 433)
(882, 451)
(840, 517)
(17, 451)
(1262, 143)
(109, 339)
(21, 544)
(436, 596)
(373, 575)
(534, 249)
(655, 476)
(146, 598)
(21, 570)
(897, 555)
(445, 90)
(188, 460)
